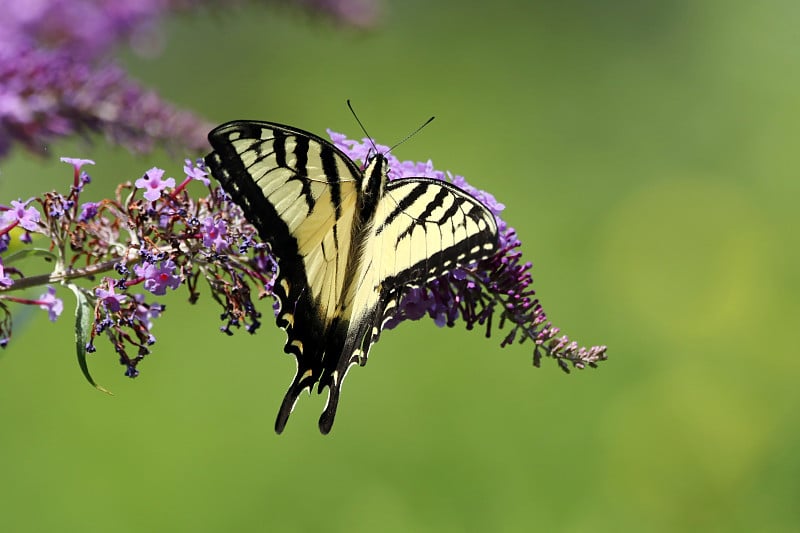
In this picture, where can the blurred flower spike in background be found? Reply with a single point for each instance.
(58, 79)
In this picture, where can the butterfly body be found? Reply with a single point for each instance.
(348, 242)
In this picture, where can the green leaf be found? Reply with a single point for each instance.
(84, 316)
(29, 252)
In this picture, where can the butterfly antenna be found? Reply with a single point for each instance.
(368, 136)
(407, 137)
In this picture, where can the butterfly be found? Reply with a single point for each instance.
(348, 242)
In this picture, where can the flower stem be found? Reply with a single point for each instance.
(73, 273)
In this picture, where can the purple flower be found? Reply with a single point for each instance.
(146, 312)
(88, 211)
(57, 79)
(5, 280)
(359, 13)
(77, 163)
(85, 29)
(88, 29)
(416, 303)
(51, 304)
(81, 178)
(19, 212)
(49, 94)
(157, 279)
(152, 183)
(215, 234)
(111, 300)
(196, 171)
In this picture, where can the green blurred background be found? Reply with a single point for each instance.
(646, 153)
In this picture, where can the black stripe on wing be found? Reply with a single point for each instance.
(433, 205)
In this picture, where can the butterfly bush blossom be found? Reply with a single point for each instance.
(499, 286)
(58, 79)
(151, 238)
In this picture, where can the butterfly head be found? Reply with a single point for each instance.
(375, 175)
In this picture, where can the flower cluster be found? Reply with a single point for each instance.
(499, 286)
(151, 238)
(57, 78)
(48, 94)
(88, 29)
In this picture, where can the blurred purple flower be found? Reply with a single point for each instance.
(51, 304)
(86, 29)
(89, 29)
(152, 183)
(57, 78)
(5, 279)
(359, 13)
(47, 94)
(88, 211)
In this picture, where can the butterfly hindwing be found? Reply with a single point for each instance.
(349, 244)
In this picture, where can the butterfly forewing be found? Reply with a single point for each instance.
(437, 228)
(300, 193)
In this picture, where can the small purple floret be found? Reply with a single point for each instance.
(157, 279)
(111, 300)
(152, 183)
(88, 211)
(76, 162)
(19, 212)
(48, 301)
(196, 171)
(215, 233)
(5, 279)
